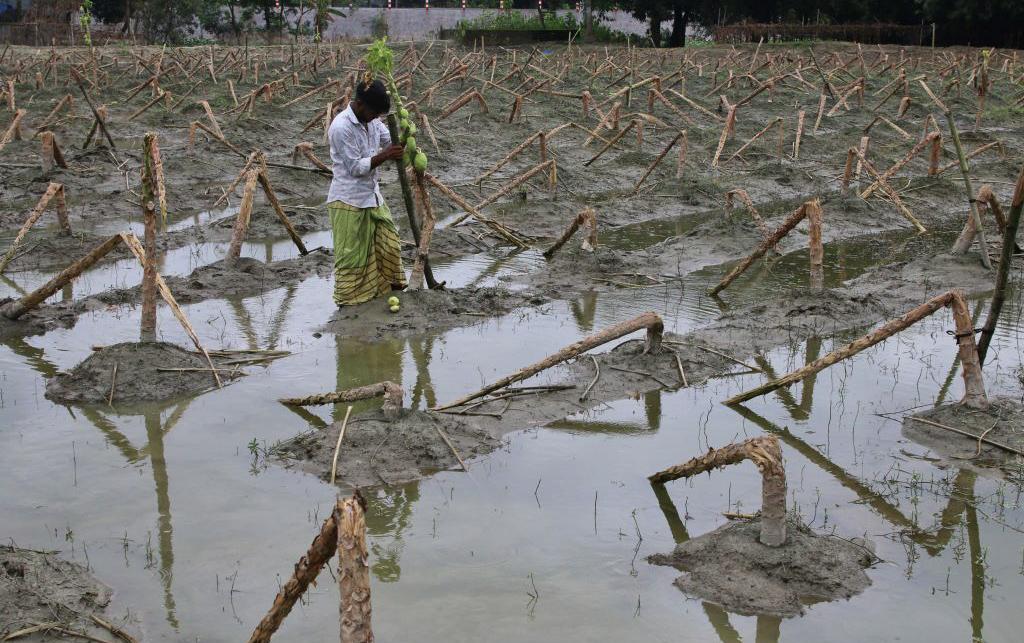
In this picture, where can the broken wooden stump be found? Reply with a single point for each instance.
(306, 150)
(149, 192)
(461, 102)
(964, 171)
(55, 193)
(587, 217)
(426, 233)
(654, 164)
(766, 454)
(974, 386)
(778, 122)
(355, 608)
(13, 132)
(652, 344)
(748, 203)
(770, 242)
(516, 182)
(51, 153)
(727, 130)
(255, 172)
(1003, 274)
(510, 235)
(391, 392)
(306, 571)
(883, 184)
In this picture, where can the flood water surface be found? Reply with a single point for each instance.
(178, 507)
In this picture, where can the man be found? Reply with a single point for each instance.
(367, 251)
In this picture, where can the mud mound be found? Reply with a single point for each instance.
(265, 224)
(379, 451)
(38, 587)
(243, 277)
(425, 309)
(51, 249)
(137, 376)
(730, 567)
(36, 321)
(1003, 421)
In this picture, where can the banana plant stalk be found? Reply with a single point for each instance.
(410, 208)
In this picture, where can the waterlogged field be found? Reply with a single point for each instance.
(189, 508)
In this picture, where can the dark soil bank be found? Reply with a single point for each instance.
(137, 378)
(730, 567)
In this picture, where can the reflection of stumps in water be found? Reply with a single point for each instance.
(974, 386)
(766, 454)
(587, 218)
(391, 392)
(353, 571)
(55, 194)
(769, 242)
(649, 321)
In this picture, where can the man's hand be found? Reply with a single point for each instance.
(390, 153)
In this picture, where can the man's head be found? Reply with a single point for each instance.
(372, 101)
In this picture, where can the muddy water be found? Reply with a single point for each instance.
(544, 539)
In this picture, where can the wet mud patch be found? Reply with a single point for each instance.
(36, 321)
(1002, 422)
(49, 249)
(137, 379)
(426, 310)
(40, 588)
(377, 451)
(729, 566)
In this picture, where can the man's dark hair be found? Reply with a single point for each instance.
(374, 95)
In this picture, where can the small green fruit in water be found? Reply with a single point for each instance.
(410, 145)
(396, 308)
(420, 162)
(393, 301)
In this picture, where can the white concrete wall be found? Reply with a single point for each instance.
(408, 23)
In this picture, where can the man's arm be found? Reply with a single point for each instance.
(389, 153)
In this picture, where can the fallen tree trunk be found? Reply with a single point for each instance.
(306, 570)
(651, 321)
(391, 392)
(766, 454)
(787, 225)
(973, 383)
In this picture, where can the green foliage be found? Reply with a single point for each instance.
(380, 60)
(85, 20)
(516, 20)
